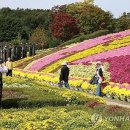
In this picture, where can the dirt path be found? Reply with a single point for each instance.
(117, 103)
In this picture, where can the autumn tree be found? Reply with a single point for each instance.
(39, 37)
(64, 26)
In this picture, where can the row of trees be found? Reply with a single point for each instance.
(48, 28)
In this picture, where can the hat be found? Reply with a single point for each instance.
(64, 63)
(99, 63)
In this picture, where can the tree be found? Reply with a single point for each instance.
(9, 28)
(39, 37)
(91, 18)
(122, 23)
(59, 8)
(64, 26)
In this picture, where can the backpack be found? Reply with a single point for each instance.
(94, 80)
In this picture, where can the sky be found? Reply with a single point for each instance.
(116, 7)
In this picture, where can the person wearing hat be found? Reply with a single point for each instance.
(3, 69)
(64, 75)
(99, 74)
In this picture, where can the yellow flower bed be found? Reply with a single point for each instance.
(112, 89)
(19, 62)
(58, 119)
(98, 49)
(46, 77)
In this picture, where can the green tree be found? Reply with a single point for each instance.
(91, 18)
(122, 23)
(9, 28)
(39, 37)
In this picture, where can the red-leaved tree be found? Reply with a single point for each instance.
(64, 26)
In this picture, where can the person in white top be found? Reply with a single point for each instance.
(3, 69)
(100, 77)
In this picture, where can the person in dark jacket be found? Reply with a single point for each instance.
(99, 74)
(64, 75)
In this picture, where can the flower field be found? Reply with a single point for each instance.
(42, 105)
(92, 43)
(44, 119)
(80, 84)
(112, 49)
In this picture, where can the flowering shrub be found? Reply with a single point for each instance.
(58, 119)
(70, 98)
(46, 124)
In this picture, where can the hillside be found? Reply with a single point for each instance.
(37, 102)
(111, 49)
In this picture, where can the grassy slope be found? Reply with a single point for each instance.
(26, 94)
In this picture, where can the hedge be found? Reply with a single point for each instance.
(85, 37)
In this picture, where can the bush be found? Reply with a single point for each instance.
(86, 37)
(53, 42)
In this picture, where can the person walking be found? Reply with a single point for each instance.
(64, 75)
(9, 65)
(3, 69)
(99, 75)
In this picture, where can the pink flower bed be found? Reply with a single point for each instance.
(79, 47)
(108, 54)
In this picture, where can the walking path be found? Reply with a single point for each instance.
(117, 103)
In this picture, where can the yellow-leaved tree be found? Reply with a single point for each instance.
(39, 37)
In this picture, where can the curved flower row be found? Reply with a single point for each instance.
(111, 89)
(123, 51)
(20, 62)
(79, 47)
(95, 50)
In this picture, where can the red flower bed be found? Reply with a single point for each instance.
(119, 68)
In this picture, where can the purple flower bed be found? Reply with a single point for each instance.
(79, 47)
